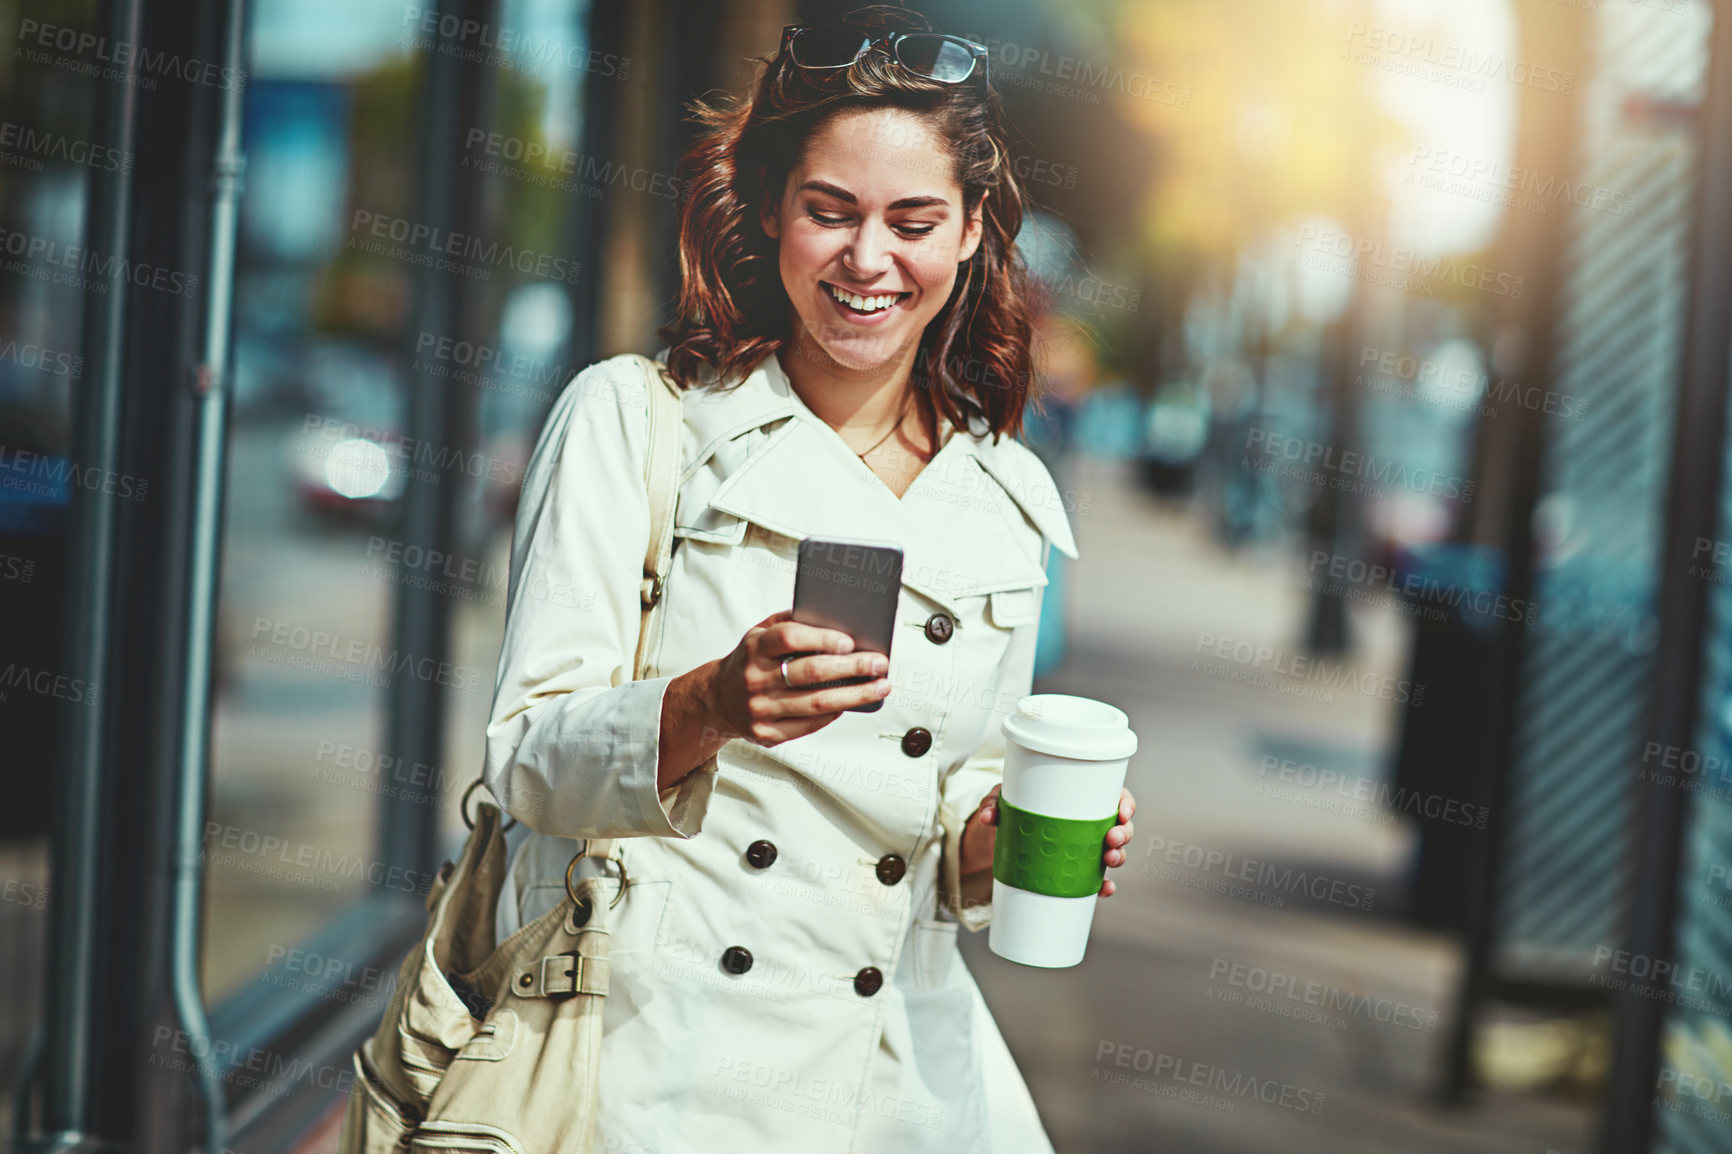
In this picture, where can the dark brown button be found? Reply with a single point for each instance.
(916, 742)
(738, 959)
(868, 981)
(939, 627)
(891, 869)
(761, 854)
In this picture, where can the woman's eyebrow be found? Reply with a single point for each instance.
(847, 197)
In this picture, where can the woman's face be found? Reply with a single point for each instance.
(870, 229)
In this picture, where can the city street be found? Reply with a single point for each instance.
(1192, 1027)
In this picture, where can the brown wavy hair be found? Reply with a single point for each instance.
(974, 358)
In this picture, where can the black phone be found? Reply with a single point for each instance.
(851, 586)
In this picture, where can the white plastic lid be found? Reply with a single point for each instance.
(1075, 727)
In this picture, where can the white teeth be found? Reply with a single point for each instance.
(860, 303)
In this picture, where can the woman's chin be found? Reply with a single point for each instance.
(856, 352)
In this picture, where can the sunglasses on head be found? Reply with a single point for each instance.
(946, 59)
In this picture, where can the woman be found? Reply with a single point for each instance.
(853, 342)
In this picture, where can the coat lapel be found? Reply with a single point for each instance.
(956, 525)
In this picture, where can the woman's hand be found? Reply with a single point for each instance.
(980, 835)
(743, 694)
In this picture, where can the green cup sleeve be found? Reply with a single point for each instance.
(1056, 856)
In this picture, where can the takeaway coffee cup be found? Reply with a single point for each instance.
(1064, 765)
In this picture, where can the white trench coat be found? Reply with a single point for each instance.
(799, 1053)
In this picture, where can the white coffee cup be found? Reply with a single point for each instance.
(1064, 766)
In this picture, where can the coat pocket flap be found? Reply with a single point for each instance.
(1013, 607)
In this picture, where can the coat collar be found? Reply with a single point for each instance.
(960, 524)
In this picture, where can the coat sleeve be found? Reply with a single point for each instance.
(969, 899)
(572, 741)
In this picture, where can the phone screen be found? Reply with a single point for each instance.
(852, 586)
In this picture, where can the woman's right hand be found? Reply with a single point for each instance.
(743, 694)
(748, 697)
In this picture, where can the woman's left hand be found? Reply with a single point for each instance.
(980, 835)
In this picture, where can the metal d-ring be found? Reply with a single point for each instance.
(463, 808)
(571, 890)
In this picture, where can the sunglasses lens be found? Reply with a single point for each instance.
(942, 58)
(826, 47)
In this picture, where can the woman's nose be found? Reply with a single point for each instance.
(869, 255)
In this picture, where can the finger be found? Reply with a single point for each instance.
(1108, 888)
(1113, 858)
(817, 669)
(785, 637)
(1127, 805)
(783, 615)
(988, 809)
(834, 700)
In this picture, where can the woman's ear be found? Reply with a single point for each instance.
(972, 228)
(769, 212)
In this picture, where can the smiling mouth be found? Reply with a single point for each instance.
(863, 304)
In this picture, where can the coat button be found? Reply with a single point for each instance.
(939, 627)
(868, 981)
(891, 869)
(761, 854)
(738, 959)
(916, 742)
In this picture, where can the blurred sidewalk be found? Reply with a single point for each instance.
(1250, 987)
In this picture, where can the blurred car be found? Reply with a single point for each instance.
(347, 455)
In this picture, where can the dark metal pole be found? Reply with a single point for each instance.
(1692, 513)
(77, 853)
(441, 416)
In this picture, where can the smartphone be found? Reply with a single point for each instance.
(851, 586)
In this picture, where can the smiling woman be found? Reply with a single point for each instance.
(793, 870)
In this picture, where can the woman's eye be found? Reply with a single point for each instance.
(915, 229)
(825, 218)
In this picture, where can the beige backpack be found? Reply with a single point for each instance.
(498, 1048)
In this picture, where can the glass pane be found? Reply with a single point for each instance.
(46, 160)
(327, 353)
(304, 625)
